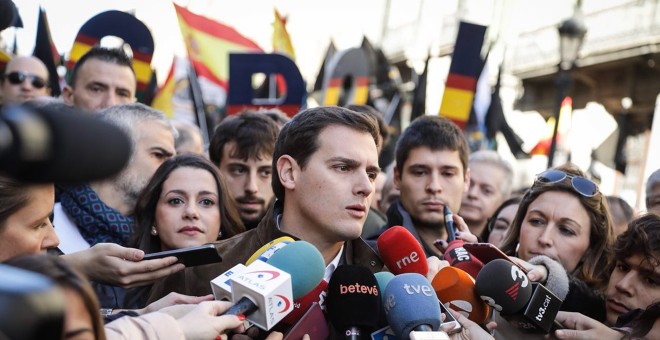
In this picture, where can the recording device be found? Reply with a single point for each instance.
(264, 292)
(268, 249)
(44, 144)
(486, 252)
(456, 289)
(458, 256)
(221, 286)
(302, 305)
(353, 301)
(528, 306)
(383, 278)
(312, 323)
(411, 306)
(32, 307)
(449, 224)
(401, 252)
(191, 256)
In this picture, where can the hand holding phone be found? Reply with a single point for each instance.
(191, 256)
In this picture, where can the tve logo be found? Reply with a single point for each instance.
(418, 289)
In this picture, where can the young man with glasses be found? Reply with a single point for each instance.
(24, 78)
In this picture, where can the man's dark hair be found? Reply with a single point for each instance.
(109, 55)
(253, 132)
(370, 110)
(642, 238)
(436, 133)
(299, 137)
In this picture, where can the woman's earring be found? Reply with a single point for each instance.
(154, 232)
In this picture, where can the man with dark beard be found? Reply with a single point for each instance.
(242, 147)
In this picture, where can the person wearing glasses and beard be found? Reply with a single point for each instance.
(24, 78)
(563, 232)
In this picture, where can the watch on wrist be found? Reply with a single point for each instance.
(105, 312)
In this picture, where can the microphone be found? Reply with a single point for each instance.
(312, 323)
(302, 305)
(459, 257)
(268, 249)
(401, 252)
(353, 301)
(411, 306)
(528, 306)
(383, 279)
(449, 224)
(456, 289)
(265, 291)
(44, 144)
(221, 286)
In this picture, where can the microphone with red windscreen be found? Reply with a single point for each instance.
(401, 252)
(456, 254)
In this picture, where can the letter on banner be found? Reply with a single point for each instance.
(350, 64)
(128, 28)
(241, 94)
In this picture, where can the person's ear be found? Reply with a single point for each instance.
(396, 179)
(287, 170)
(67, 95)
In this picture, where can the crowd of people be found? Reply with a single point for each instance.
(314, 177)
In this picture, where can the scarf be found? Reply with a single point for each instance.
(97, 222)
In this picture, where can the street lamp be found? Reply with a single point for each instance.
(571, 36)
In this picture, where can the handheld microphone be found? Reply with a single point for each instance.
(221, 286)
(449, 224)
(301, 306)
(265, 291)
(456, 289)
(383, 279)
(411, 305)
(268, 249)
(401, 252)
(353, 301)
(528, 306)
(459, 257)
(42, 144)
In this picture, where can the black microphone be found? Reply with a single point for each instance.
(528, 306)
(58, 143)
(354, 301)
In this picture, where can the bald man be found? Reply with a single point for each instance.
(24, 78)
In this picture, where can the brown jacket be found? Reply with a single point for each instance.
(238, 249)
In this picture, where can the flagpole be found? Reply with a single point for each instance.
(198, 102)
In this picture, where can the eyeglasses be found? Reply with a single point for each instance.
(18, 77)
(581, 185)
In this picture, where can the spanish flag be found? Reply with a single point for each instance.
(163, 99)
(209, 43)
(565, 117)
(281, 40)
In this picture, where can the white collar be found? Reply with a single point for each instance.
(330, 268)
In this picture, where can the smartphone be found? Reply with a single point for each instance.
(190, 257)
(450, 320)
(487, 252)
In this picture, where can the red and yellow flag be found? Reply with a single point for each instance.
(565, 116)
(209, 43)
(281, 40)
(163, 99)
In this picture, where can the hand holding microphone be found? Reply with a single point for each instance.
(528, 306)
(264, 292)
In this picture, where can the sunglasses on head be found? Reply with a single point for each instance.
(581, 185)
(18, 77)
